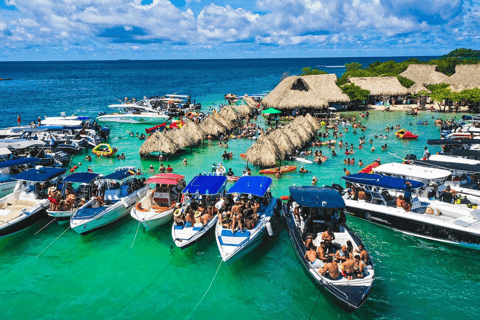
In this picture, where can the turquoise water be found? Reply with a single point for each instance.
(103, 275)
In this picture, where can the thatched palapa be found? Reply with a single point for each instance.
(316, 125)
(159, 142)
(416, 88)
(181, 138)
(229, 114)
(272, 145)
(227, 123)
(258, 155)
(294, 137)
(251, 103)
(379, 86)
(424, 74)
(193, 131)
(315, 91)
(242, 109)
(282, 140)
(211, 126)
(467, 75)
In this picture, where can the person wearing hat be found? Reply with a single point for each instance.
(314, 181)
(55, 198)
(198, 220)
(152, 169)
(177, 216)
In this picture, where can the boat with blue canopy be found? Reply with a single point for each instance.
(114, 196)
(201, 194)
(10, 168)
(244, 225)
(380, 199)
(309, 213)
(77, 190)
(28, 202)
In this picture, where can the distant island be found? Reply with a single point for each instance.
(463, 53)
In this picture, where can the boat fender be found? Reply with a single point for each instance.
(269, 228)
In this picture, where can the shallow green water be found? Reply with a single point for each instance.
(99, 276)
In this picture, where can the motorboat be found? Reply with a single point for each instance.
(236, 244)
(157, 207)
(118, 192)
(433, 220)
(10, 168)
(200, 187)
(81, 183)
(319, 210)
(27, 203)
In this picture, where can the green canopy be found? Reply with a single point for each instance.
(271, 110)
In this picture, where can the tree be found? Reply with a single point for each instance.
(356, 94)
(353, 66)
(407, 83)
(309, 71)
(463, 53)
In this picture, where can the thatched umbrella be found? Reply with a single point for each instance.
(260, 155)
(294, 137)
(211, 126)
(272, 145)
(243, 109)
(181, 138)
(159, 142)
(227, 123)
(250, 101)
(282, 140)
(229, 114)
(313, 121)
(193, 131)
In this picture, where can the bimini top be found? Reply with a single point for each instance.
(442, 142)
(474, 168)
(18, 162)
(120, 174)
(377, 180)
(315, 197)
(412, 171)
(81, 177)
(40, 174)
(165, 178)
(255, 185)
(206, 184)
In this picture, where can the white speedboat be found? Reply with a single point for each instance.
(209, 188)
(26, 205)
(82, 185)
(8, 169)
(141, 112)
(157, 207)
(122, 190)
(433, 220)
(316, 207)
(234, 245)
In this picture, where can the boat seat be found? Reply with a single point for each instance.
(10, 216)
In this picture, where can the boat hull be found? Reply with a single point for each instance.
(196, 238)
(6, 188)
(133, 118)
(23, 223)
(154, 221)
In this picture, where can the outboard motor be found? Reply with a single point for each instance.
(411, 157)
(105, 132)
(337, 187)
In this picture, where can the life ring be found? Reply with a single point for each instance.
(104, 150)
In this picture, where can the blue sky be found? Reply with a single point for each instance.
(200, 29)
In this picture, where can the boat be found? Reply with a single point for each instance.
(141, 112)
(83, 184)
(432, 220)
(157, 207)
(405, 134)
(317, 206)
(283, 169)
(27, 203)
(369, 168)
(213, 187)
(234, 245)
(9, 168)
(118, 200)
(104, 150)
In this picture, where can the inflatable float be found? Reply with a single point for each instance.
(405, 134)
(324, 143)
(284, 198)
(283, 169)
(103, 150)
(232, 178)
(221, 170)
(243, 155)
(370, 167)
(156, 128)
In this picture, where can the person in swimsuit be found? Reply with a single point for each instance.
(328, 238)
(311, 255)
(189, 219)
(342, 255)
(177, 217)
(348, 268)
(330, 269)
(360, 267)
(322, 252)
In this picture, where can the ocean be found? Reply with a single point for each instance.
(124, 272)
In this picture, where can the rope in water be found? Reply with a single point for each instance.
(208, 286)
(311, 314)
(45, 226)
(52, 242)
(138, 227)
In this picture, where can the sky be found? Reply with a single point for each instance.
(42, 30)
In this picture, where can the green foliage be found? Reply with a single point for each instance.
(355, 93)
(309, 71)
(407, 83)
(463, 53)
(353, 66)
(441, 94)
(472, 95)
(434, 87)
(423, 93)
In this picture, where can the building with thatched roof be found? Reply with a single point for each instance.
(380, 86)
(467, 75)
(242, 109)
(181, 138)
(424, 74)
(416, 88)
(193, 131)
(227, 123)
(313, 91)
(158, 142)
(211, 126)
(229, 113)
(259, 155)
(461, 87)
(313, 121)
(282, 140)
(250, 101)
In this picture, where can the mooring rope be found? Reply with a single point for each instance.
(208, 286)
(138, 227)
(311, 314)
(54, 219)
(52, 242)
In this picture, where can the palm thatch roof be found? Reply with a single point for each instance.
(181, 138)
(229, 113)
(313, 121)
(379, 86)
(159, 142)
(467, 75)
(299, 130)
(424, 74)
(259, 155)
(267, 140)
(227, 123)
(242, 109)
(193, 131)
(250, 101)
(282, 140)
(211, 126)
(314, 91)
(461, 87)
(294, 137)
(417, 87)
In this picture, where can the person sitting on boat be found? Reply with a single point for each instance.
(69, 201)
(400, 202)
(230, 172)
(360, 267)
(328, 236)
(448, 195)
(433, 193)
(342, 254)
(198, 220)
(311, 255)
(189, 219)
(330, 269)
(98, 201)
(322, 252)
(82, 202)
(363, 252)
(54, 196)
(349, 269)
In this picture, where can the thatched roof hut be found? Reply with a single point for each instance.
(294, 137)
(193, 131)
(226, 122)
(259, 155)
(461, 87)
(379, 86)
(181, 138)
(268, 140)
(159, 142)
(250, 101)
(313, 121)
(211, 126)
(300, 131)
(242, 109)
(282, 140)
(229, 113)
(416, 88)
(424, 74)
(315, 91)
(467, 75)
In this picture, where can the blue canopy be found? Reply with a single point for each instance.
(314, 197)
(201, 184)
(39, 175)
(256, 185)
(81, 177)
(119, 174)
(377, 180)
(18, 162)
